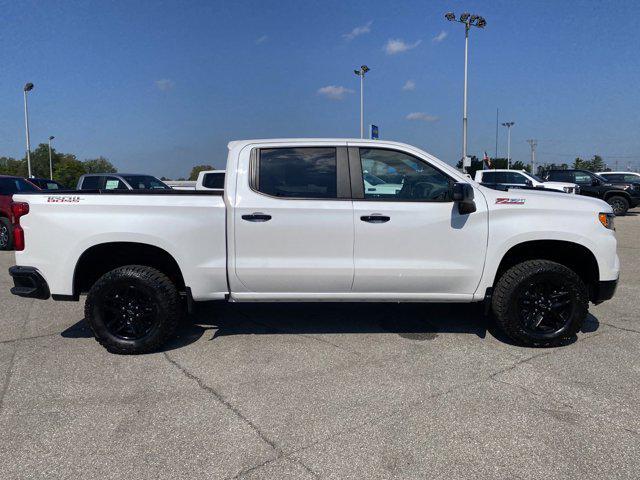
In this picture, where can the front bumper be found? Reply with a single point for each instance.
(29, 283)
(604, 290)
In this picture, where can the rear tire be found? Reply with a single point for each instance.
(540, 303)
(133, 309)
(620, 205)
(6, 234)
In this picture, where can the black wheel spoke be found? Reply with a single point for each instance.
(129, 312)
(545, 306)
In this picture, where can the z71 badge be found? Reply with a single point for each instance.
(510, 201)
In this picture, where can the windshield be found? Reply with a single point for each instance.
(535, 177)
(145, 182)
(9, 186)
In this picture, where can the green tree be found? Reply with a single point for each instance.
(11, 166)
(99, 165)
(68, 171)
(197, 169)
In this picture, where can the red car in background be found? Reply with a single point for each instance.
(9, 186)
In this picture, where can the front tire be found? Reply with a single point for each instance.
(540, 303)
(6, 234)
(620, 205)
(133, 309)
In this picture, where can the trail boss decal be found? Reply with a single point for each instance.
(63, 199)
(510, 201)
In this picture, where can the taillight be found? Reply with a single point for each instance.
(18, 209)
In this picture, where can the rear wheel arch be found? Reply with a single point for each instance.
(105, 257)
(572, 255)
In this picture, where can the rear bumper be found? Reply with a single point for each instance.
(29, 283)
(604, 290)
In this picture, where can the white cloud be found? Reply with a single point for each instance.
(394, 46)
(334, 92)
(440, 37)
(262, 39)
(409, 85)
(164, 84)
(421, 116)
(357, 31)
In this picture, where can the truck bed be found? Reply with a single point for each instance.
(188, 225)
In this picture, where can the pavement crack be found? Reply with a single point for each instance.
(7, 377)
(620, 328)
(29, 338)
(518, 363)
(220, 398)
(307, 468)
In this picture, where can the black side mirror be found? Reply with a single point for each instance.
(528, 183)
(595, 182)
(463, 196)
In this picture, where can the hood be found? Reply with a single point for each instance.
(542, 199)
(561, 184)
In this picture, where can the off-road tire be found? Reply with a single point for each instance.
(619, 204)
(6, 234)
(509, 289)
(160, 292)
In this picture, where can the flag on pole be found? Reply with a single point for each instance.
(487, 160)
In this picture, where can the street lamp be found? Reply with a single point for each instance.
(27, 88)
(363, 69)
(469, 21)
(50, 162)
(508, 125)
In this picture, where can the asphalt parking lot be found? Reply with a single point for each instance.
(323, 391)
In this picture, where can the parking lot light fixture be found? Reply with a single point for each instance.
(468, 21)
(508, 125)
(27, 88)
(363, 69)
(50, 162)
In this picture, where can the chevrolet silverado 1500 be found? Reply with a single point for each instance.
(299, 221)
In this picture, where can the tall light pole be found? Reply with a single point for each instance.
(508, 125)
(50, 161)
(27, 88)
(533, 143)
(468, 21)
(363, 69)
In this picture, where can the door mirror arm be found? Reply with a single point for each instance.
(462, 194)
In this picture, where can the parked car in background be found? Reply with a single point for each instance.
(520, 178)
(120, 181)
(621, 196)
(9, 186)
(622, 177)
(295, 223)
(47, 184)
(210, 180)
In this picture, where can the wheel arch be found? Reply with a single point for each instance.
(101, 258)
(616, 193)
(573, 255)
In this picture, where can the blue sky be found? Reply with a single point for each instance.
(158, 86)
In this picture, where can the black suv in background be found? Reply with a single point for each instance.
(621, 196)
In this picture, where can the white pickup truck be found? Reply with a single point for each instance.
(500, 178)
(297, 222)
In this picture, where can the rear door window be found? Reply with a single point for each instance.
(514, 178)
(306, 172)
(90, 183)
(213, 180)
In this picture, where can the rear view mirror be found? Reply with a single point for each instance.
(463, 196)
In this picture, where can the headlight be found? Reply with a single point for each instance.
(566, 189)
(606, 219)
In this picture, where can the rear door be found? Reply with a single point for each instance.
(410, 238)
(293, 221)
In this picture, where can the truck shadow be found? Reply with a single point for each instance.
(412, 321)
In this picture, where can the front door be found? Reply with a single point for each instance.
(293, 222)
(410, 238)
